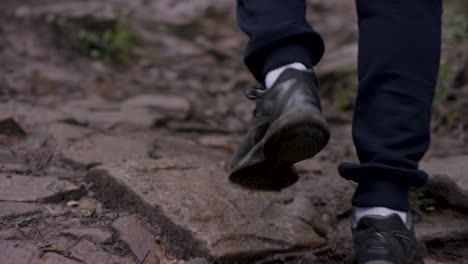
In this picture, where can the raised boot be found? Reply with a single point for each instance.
(288, 127)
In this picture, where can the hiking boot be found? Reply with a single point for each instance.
(288, 126)
(387, 240)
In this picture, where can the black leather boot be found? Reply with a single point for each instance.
(288, 127)
(386, 240)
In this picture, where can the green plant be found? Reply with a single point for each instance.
(425, 203)
(442, 94)
(346, 90)
(109, 41)
(459, 27)
(462, 5)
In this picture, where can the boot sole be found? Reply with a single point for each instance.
(296, 136)
(292, 143)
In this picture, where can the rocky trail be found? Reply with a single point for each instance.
(118, 120)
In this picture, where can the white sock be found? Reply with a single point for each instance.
(273, 75)
(360, 212)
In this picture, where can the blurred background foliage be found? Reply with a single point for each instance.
(194, 49)
(111, 41)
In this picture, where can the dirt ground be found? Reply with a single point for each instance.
(118, 119)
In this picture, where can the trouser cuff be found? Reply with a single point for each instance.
(382, 185)
(381, 193)
(287, 54)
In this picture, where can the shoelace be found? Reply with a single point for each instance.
(255, 92)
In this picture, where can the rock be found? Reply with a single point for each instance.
(6, 155)
(14, 168)
(447, 236)
(59, 244)
(342, 59)
(175, 107)
(433, 261)
(304, 208)
(65, 133)
(86, 203)
(311, 165)
(198, 261)
(227, 47)
(177, 13)
(28, 231)
(9, 127)
(445, 226)
(200, 212)
(17, 253)
(72, 203)
(92, 104)
(324, 188)
(445, 189)
(448, 179)
(292, 257)
(126, 118)
(460, 77)
(29, 115)
(17, 188)
(95, 10)
(453, 167)
(308, 258)
(88, 252)
(46, 79)
(11, 233)
(166, 43)
(96, 235)
(217, 141)
(11, 209)
(104, 149)
(54, 258)
(133, 232)
(104, 115)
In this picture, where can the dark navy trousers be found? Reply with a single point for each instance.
(399, 52)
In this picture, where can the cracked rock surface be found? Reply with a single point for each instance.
(105, 162)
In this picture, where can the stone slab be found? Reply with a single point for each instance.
(15, 253)
(175, 107)
(453, 167)
(29, 115)
(18, 188)
(433, 261)
(445, 225)
(10, 233)
(54, 258)
(201, 213)
(448, 179)
(88, 252)
(101, 148)
(111, 119)
(6, 155)
(95, 234)
(12, 209)
(142, 243)
(10, 127)
(65, 133)
(105, 115)
(197, 261)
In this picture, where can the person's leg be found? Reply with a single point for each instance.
(399, 50)
(278, 35)
(288, 125)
